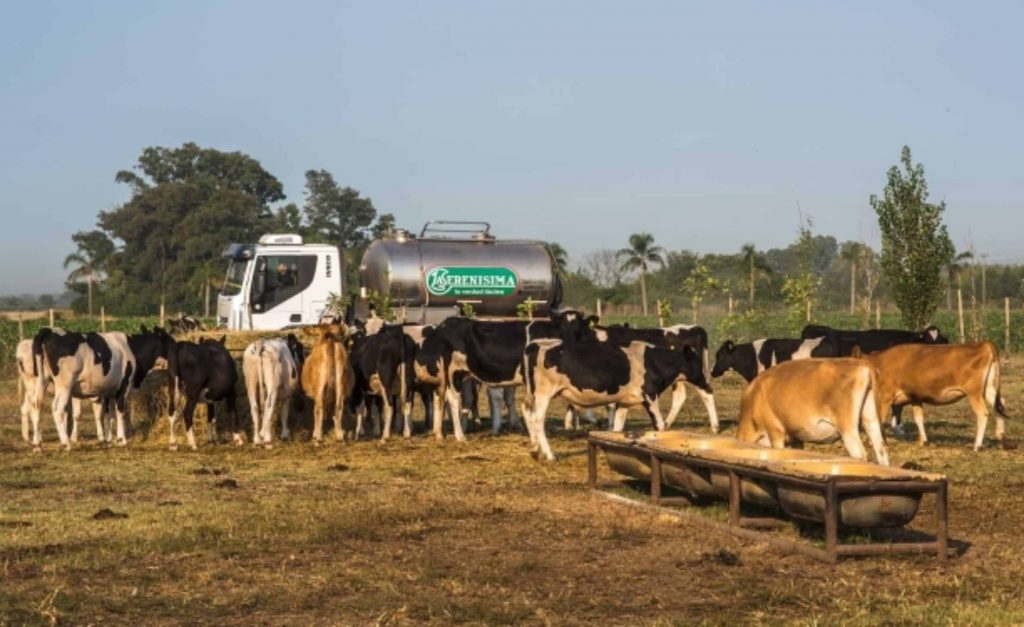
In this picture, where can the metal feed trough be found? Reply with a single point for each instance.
(807, 486)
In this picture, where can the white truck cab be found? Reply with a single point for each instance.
(277, 282)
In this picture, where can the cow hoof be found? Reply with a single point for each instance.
(172, 447)
(66, 448)
(268, 446)
(317, 443)
(37, 449)
(194, 447)
(122, 442)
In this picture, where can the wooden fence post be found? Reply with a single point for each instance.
(103, 319)
(1006, 319)
(599, 309)
(808, 310)
(21, 326)
(878, 314)
(206, 307)
(51, 317)
(960, 311)
(161, 314)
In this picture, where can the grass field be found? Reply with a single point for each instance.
(441, 532)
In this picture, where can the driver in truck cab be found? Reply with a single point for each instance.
(285, 277)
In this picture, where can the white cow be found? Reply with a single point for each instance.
(272, 369)
(91, 365)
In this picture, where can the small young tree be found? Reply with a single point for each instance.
(915, 243)
(698, 284)
(799, 291)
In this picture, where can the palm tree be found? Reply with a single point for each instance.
(957, 263)
(90, 259)
(559, 256)
(640, 254)
(757, 264)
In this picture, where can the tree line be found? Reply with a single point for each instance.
(164, 245)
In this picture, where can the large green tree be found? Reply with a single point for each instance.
(187, 203)
(915, 243)
(640, 256)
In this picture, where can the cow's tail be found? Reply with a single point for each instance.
(993, 381)
(529, 371)
(172, 379)
(261, 382)
(39, 362)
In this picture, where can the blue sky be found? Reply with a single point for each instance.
(706, 124)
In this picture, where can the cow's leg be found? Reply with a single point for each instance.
(97, 416)
(172, 420)
(318, 421)
(211, 424)
(918, 411)
(437, 401)
(387, 415)
(571, 421)
(407, 416)
(120, 407)
(454, 402)
(538, 416)
(252, 390)
(266, 431)
(654, 413)
(26, 412)
(232, 414)
(851, 440)
(709, 404)
(619, 420)
(108, 421)
(610, 413)
(286, 406)
(678, 398)
(981, 414)
(873, 427)
(190, 410)
(76, 415)
(61, 398)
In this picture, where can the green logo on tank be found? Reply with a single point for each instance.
(470, 281)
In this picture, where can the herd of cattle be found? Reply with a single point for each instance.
(820, 388)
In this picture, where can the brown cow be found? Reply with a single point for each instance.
(327, 377)
(918, 374)
(813, 400)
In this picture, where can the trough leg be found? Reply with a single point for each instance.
(831, 519)
(734, 499)
(941, 519)
(655, 480)
(591, 465)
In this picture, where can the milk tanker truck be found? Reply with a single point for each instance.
(281, 281)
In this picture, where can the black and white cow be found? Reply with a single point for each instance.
(676, 336)
(202, 373)
(492, 351)
(272, 368)
(591, 374)
(383, 367)
(753, 358)
(91, 365)
(184, 323)
(27, 384)
(873, 340)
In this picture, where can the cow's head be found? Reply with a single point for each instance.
(572, 325)
(725, 359)
(932, 335)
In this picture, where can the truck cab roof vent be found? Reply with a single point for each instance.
(281, 239)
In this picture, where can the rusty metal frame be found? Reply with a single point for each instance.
(831, 490)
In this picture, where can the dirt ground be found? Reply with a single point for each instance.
(476, 532)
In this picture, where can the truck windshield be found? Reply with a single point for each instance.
(235, 276)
